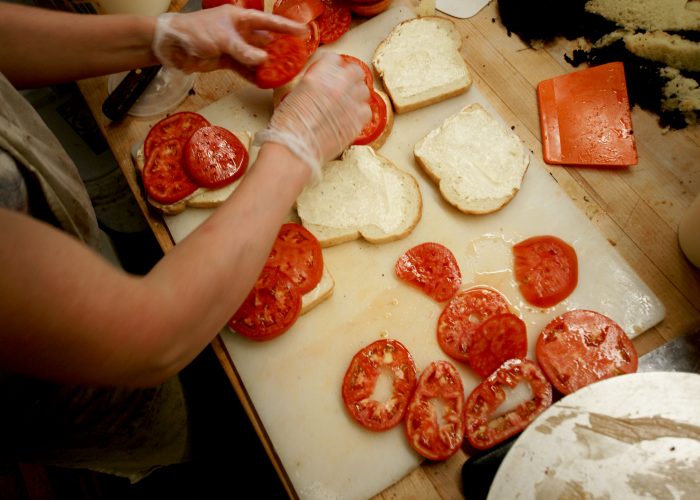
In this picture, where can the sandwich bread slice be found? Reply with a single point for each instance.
(477, 162)
(363, 194)
(202, 197)
(420, 64)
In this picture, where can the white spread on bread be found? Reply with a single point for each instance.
(362, 194)
(355, 193)
(419, 63)
(477, 162)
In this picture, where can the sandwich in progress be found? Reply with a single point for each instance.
(419, 63)
(477, 162)
(361, 195)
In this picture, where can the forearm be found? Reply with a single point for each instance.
(70, 316)
(43, 46)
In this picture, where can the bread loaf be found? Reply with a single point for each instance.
(419, 63)
(361, 195)
(477, 162)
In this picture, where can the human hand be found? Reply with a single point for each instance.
(221, 37)
(322, 115)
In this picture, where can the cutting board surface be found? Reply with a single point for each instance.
(294, 381)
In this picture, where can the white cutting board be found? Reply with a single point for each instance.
(633, 436)
(461, 9)
(294, 381)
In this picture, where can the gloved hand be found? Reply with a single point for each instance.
(322, 115)
(221, 37)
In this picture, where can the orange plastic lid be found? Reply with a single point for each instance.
(585, 118)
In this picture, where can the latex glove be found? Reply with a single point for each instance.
(322, 115)
(222, 37)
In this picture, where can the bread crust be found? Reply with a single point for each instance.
(329, 235)
(478, 206)
(382, 51)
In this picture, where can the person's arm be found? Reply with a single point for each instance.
(68, 315)
(43, 46)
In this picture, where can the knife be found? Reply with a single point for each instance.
(119, 102)
(681, 354)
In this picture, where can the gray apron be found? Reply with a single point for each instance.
(125, 432)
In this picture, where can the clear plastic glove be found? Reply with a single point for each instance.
(322, 115)
(221, 37)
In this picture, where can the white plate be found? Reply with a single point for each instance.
(632, 436)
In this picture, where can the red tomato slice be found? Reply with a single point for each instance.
(500, 338)
(369, 9)
(376, 124)
(334, 22)
(462, 315)
(297, 253)
(435, 415)
(215, 157)
(179, 126)
(163, 176)
(270, 309)
(314, 39)
(383, 356)
(581, 347)
(287, 55)
(432, 267)
(546, 269)
(482, 430)
(246, 4)
(301, 11)
(369, 79)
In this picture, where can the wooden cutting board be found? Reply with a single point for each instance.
(294, 381)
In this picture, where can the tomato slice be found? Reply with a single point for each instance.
(301, 11)
(180, 126)
(271, 308)
(374, 127)
(498, 339)
(369, 9)
(581, 347)
(334, 22)
(369, 79)
(385, 356)
(163, 176)
(462, 315)
(215, 157)
(314, 38)
(246, 4)
(435, 415)
(286, 56)
(297, 253)
(482, 430)
(432, 267)
(546, 269)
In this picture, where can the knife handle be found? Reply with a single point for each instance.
(480, 469)
(128, 91)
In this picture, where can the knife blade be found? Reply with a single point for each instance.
(681, 354)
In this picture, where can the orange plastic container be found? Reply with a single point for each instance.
(585, 118)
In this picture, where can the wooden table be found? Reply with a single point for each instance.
(636, 209)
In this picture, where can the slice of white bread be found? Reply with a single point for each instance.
(364, 194)
(419, 63)
(202, 197)
(321, 292)
(477, 162)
